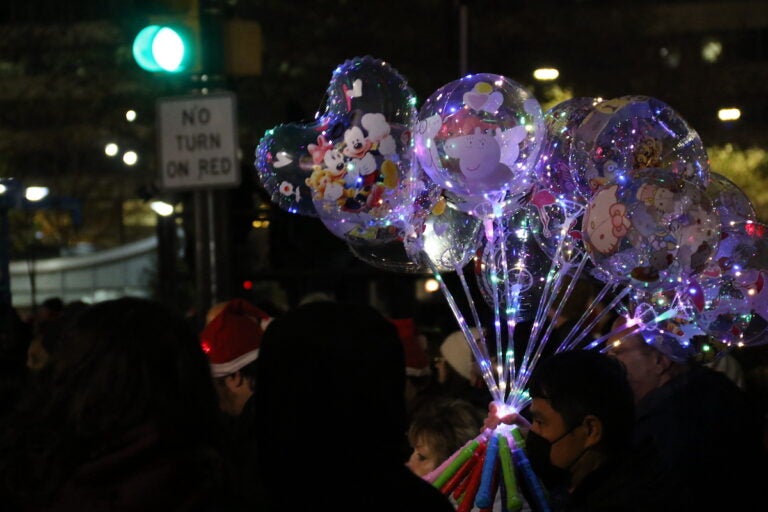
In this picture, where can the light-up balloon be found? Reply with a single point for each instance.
(635, 132)
(479, 137)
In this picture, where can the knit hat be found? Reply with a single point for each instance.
(232, 338)
(416, 360)
(455, 349)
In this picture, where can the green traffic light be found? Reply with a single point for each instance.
(160, 48)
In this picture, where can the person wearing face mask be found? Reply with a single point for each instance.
(579, 437)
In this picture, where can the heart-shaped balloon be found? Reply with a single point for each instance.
(353, 163)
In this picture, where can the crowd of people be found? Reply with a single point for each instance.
(126, 405)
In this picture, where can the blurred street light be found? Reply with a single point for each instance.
(130, 158)
(728, 114)
(36, 193)
(130, 116)
(161, 208)
(111, 149)
(546, 74)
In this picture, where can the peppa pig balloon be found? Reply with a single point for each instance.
(478, 138)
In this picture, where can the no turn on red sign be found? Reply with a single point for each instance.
(197, 141)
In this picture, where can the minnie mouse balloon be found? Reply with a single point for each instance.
(635, 132)
(352, 162)
(651, 231)
(478, 138)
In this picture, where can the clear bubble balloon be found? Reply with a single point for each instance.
(511, 270)
(479, 137)
(553, 166)
(392, 253)
(357, 162)
(635, 132)
(733, 297)
(650, 231)
(731, 203)
(447, 237)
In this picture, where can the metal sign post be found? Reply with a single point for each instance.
(198, 146)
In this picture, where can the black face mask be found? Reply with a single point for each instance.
(538, 449)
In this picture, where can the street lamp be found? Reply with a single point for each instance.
(729, 114)
(111, 149)
(161, 208)
(130, 158)
(36, 193)
(546, 74)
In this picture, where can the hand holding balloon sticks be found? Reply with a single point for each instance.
(486, 466)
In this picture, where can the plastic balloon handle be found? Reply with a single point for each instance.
(485, 493)
(469, 496)
(464, 455)
(456, 479)
(522, 462)
(513, 501)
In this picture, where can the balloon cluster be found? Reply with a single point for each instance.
(617, 191)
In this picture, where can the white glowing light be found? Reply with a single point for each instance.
(130, 116)
(111, 149)
(546, 74)
(36, 193)
(431, 285)
(130, 158)
(729, 114)
(161, 208)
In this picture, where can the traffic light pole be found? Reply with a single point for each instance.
(211, 208)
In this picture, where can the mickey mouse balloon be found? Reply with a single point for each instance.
(478, 138)
(351, 164)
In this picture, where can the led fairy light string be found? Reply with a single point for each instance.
(537, 343)
(482, 361)
(574, 337)
(499, 272)
(475, 317)
(553, 283)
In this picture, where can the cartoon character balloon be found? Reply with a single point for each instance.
(478, 138)
(651, 230)
(635, 132)
(733, 289)
(354, 161)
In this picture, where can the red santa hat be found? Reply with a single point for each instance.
(416, 360)
(232, 338)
